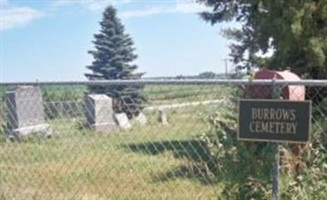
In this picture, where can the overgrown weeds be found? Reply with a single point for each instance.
(245, 167)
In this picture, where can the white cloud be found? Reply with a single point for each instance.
(177, 6)
(145, 12)
(93, 5)
(16, 16)
(183, 7)
(189, 7)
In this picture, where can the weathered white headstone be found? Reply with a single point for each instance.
(100, 113)
(25, 113)
(141, 119)
(123, 121)
(162, 117)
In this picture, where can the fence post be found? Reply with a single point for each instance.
(275, 171)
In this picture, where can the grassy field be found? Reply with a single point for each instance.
(167, 94)
(155, 93)
(150, 162)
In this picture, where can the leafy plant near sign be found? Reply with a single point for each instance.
(236, 160)
(245, 167)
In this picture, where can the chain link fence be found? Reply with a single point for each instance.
(57, 141)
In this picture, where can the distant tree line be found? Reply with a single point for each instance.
(204, 75)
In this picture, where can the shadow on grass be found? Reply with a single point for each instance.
(198, 162)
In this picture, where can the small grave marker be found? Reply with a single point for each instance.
(141, 119)
(162, 117)
(123, 121)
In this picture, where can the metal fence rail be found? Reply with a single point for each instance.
(177, 81)
(59, 142)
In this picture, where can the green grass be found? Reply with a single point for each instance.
(63, 92)
(156, 93)
(150, 162)
(167, 94)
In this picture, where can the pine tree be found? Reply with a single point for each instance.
(113, 60)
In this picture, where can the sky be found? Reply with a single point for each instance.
(48, 40)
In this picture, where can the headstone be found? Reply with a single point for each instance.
(290, 92)
(25, 113)
(123, 121)
(100, 113)
(162, 117)
(141, 119)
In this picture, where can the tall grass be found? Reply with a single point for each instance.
(149, 162)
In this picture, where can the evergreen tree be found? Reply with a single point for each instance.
(295, 30)
(113, 60)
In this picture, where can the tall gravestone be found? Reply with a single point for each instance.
(100, 113)
(25, 113)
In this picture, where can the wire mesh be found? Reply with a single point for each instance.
(58, 141)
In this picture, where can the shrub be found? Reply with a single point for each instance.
(245, 167)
